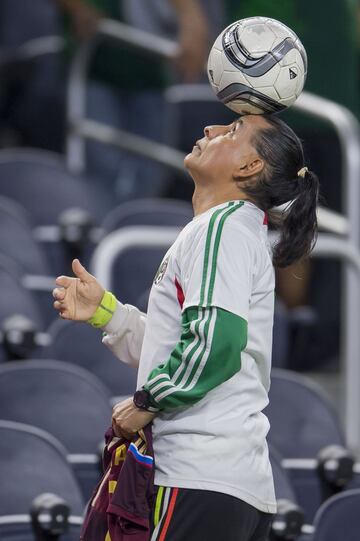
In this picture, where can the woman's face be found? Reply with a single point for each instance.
(225, 149)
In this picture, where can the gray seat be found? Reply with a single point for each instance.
(81, 345)
(17, 241)
(134, 270)
(15, 298)
(24, 20)
(63, 399)
(66, 401)
(283, 488)
(41, 183)
(302, 418)
(167, 212)
(338, 518)
(303, 423)
(33, 462)
(15, 528)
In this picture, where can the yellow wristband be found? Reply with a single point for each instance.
(104, 311)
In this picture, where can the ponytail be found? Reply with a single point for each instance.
(298, 224)
(284, 179)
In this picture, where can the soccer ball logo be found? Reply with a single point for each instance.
(257, 65)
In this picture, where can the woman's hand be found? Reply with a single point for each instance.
(77, 298)
(127, 419)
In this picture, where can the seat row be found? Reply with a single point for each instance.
(44, 227)
(45, 402)
(72, 404)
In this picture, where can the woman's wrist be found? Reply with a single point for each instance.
(104, 311)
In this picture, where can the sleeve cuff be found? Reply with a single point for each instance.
(116, 323)
(153, 405)
(105, 311)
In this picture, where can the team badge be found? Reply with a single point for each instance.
(161, 271)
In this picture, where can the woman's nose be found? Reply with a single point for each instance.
(207, 131)
(213, 131)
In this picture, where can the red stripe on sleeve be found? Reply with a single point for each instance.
(180, 293)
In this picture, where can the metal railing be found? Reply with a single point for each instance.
(81, 128)
(346, 127)
(31, 50)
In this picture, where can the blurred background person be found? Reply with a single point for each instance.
(126, 87)
(31, 89)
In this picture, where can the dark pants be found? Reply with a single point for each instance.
(203, 515)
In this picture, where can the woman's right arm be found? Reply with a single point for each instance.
(124, 334)
(82, 298)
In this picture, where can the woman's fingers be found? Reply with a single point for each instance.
(64, 281)
(59, 293)
(58, 305)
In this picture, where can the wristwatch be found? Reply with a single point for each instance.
(142, 400)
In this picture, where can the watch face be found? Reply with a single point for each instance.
(141, 399)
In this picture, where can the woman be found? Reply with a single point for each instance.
(204, 349)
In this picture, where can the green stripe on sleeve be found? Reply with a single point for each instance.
(223, 337)
(207, 251)
(216, 250)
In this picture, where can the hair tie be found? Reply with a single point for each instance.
(302, 172)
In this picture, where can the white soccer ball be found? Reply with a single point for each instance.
(257, 65)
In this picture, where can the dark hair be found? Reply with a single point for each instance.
(279, 183)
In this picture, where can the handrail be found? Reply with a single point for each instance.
(130, 142)
(81, 128)
(347, 129)
(119, 241)
(139, 39)
(76, 95)
(344, 123)
(32, 49)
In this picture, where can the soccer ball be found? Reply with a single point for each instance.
(257, 65)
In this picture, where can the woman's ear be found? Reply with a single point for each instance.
(252, 167)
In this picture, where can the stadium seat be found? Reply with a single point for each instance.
(66, 401)
(41, 183)
(338, 519)
(19, 528)
(32, 462)
(304, 425)
(307, 423)
(22, 320)
(134, 270)
(288, 521)
(15, 298)
(17, 241)
(155, 212)
(283, 487)
(81, 345)
(126, 260)
(25, 20)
